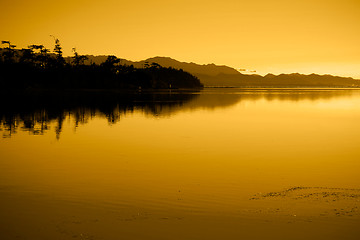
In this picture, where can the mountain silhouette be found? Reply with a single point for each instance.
(212, 75)
(208, 69)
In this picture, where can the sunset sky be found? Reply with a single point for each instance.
(306, 36)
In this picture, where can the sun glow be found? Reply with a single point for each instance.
(308, 36)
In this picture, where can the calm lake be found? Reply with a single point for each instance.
(181, 165)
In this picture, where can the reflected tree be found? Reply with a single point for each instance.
(37, 112)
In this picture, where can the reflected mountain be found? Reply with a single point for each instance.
(212, 98)
(35, 111)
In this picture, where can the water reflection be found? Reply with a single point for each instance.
(35, 111)
(224, 97)
(181, 159)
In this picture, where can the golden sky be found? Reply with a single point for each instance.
(321, 36)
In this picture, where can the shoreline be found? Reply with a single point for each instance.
(39, 216)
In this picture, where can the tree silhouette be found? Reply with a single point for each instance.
(58, 51)
(111, 63)
(155, 65)
(36, 68)
(44, 56)
(9, 52)
(78, 59)
(146, 64)
(6, 42)
(40, 53)
(27, 55)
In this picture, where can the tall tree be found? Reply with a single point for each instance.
(58, 51)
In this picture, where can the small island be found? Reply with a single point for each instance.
(36, 67)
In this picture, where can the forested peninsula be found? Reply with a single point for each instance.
(36, 67)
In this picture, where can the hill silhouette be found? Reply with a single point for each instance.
(208, 69)
(212, 75)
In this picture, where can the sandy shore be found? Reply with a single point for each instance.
(294, 213)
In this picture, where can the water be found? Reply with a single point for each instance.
(171, 154)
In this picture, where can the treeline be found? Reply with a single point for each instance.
(38, 67)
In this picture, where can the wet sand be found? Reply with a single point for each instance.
(293, 213)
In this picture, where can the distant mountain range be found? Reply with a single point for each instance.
(223, 76)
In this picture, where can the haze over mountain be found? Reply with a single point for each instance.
(224, 76)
